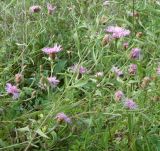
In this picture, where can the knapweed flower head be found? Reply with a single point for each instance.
(117, 71)
(132, 69)
(99, 74)
(53, 81)
(158, 70)
(117, 32)
(118, 95)
(50, 8)
(135, 53)
(35, 9)
(51, 50)
(61, 117)
(13, 90)
(78, 69)
(125, 45)
(130, 104)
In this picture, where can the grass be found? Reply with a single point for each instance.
(98, 122)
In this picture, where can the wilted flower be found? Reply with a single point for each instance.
(117, 71)
(78, 69)
(118, 95)
(132, 69)
(106, 39)
(18, 78)
(139, 34)
(99, 74)
(35, 9)
(51, 51)
(158, 70)
(125, 45)
(50, 8)
(117, 32)
(130, 104)
(61, 117)
(53, 81)
(145, 82)
(135, 53)
(13, 90)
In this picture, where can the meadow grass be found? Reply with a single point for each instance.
(98, 121)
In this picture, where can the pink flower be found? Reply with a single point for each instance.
(53, 81)
(99, 74)
(13, 90)
(117, 32)
(35, 9)
(158, 70)
(118, 95)
(78, 69)
(52, 50)
(50, 8)
(61, 117)
(117, 71)
(132, 69)
(135, 53)
(125, 45)
(130, 104)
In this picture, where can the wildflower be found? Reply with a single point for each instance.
(106, 39)
(99, 74)
(61, 117)
(35, 9)
(53, 81)
(78, 69)
(135, 53)
(13, 90)
(18, 78)
(130, 104)
(50, 8)
(117, 71)
(158, 70)
(117, 32)
(51, 51)
(145, 82)
(118, 95)
(132, 69)
(125, 45)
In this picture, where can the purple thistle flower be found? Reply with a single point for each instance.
(78, 69)
(118, 95)
(63, 117)
(158, 70)
(35, 9)
(99, 74)
(53, 81)
(130, 104)
(135, 53)
(132, 69)
(52, 50)
(117, 71)
(50, 8)
(117, 32)
(13, 90)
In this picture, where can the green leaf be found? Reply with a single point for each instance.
(42, 133)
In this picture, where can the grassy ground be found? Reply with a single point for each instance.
(99, 123)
